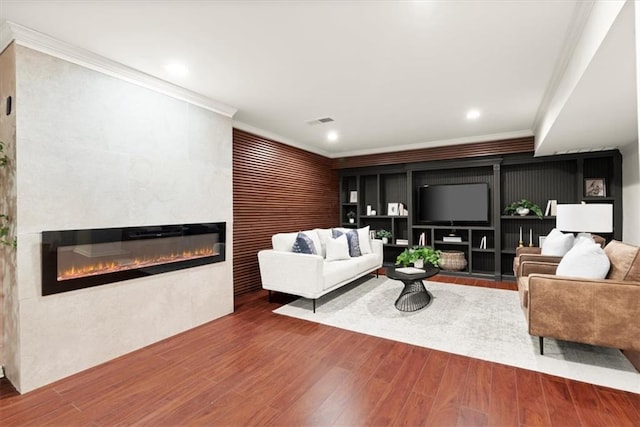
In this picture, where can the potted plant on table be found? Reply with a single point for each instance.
(384, 235)
(523, 207)
(418, 256)
(351, 216)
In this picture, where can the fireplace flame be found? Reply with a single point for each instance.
(122, 264)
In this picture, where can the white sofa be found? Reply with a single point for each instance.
(312, 276)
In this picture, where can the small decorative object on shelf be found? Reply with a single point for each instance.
(452, 260)
(523, 207)
(351, 216)
(385, 235)
(595, 187)
(520, 241)
(353, 197)
(418, 255)
(392, 209)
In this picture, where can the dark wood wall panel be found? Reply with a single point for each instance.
(276, 188)
(505, 146)
(539, 182)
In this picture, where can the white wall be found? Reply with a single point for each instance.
(631, 162)
(94, 151)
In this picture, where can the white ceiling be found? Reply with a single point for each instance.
(393, 74)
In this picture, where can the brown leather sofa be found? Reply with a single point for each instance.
(598, 312)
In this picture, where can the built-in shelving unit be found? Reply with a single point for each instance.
(509, 178)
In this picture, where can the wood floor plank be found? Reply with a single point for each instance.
(468, 417)
(401, 386)
(588, 404)
(446, 405)
(298, 412)
(503, 410)
(415, 411)
(560, 405)
(362, 403)
(429, 380)
(532, 409)
(478, 389)
(617, 409)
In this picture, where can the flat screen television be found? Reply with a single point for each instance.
(453, 203)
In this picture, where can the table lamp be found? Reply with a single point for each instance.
(592, 218)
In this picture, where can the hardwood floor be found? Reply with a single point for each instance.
(258, 368)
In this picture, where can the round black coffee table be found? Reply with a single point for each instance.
(414, 296)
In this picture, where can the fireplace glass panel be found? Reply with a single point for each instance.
(78, 259)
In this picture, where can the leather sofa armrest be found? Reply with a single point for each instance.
(527, 250)
(536, 267)
(540, 258)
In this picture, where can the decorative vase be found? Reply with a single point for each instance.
(351, 220)
(522, 211)
(385, 240)
(452, 260)
(419, 263)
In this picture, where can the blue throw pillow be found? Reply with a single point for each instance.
(304, 245)
(352, 239)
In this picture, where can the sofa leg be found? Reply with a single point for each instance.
(314, 305)
(541, 340)
(269, 297)
(377, 272)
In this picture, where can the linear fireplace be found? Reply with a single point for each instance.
(76, 259)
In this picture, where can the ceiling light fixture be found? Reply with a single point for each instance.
(473, 114)
(177, 69)
(332, 136)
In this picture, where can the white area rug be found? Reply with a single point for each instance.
(471, 321)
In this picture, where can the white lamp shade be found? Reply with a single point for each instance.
(592, 217)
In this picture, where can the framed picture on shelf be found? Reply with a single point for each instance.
(595, 187)
(392, 209)
(372, 234)
(353, 197)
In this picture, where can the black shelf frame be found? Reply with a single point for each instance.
(510, 177)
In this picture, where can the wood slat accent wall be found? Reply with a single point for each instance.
(461, 151)
(276, 188)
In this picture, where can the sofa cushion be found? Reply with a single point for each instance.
(336, 272)
(304, 245)
(352, 239)
(557, 243)
(337, 249)
(625, 261)
(367, 262)
(586, 260)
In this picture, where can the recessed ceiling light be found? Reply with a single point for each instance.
(332, 136)
(177, 69)
(473, 114)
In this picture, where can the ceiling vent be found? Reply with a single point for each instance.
(320, 121)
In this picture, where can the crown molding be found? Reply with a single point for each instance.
(23, 36)
(439, 143)
(278, 138)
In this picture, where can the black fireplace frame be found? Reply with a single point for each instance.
(52, 240)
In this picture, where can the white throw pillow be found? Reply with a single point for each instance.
(585, 260)
(557, 243)
(337, 248)
(365, 240)
(323, 234)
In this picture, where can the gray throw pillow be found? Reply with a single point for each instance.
(352, 239)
